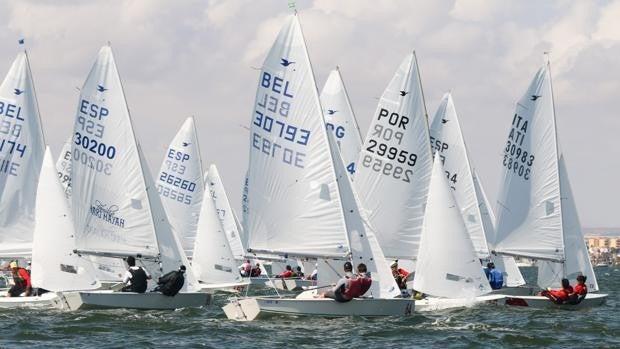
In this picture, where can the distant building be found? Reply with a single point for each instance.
(603, 248)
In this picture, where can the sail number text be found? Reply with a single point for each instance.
(516, 159)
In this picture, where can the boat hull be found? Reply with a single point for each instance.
(290, 284)
(247, 309)
(46, 300)
(150, 300)
(591, 300)
(435, 303)
(515, 291)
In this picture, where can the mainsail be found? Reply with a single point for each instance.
(294, 205)
(340, 119)
(529, 208)
(117, 210)
(180, 184)
(394, 168)
(447, 140)
(21, 154)
(55, 267)
(447, 264)
(225, 212)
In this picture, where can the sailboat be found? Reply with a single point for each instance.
(21, 153)
(180, 184)
(117, 211)
(395, 164)
(448, 267)
(340, 119)
(447, 141)
(301, 202)
(537, 212)
(55, 267)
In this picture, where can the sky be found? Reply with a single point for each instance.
(199, 58)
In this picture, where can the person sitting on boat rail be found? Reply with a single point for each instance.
(255, 271)
(351, 288)
(300, 274)
(337, 292)
(22, 281)
(171, 283)
(135, 277)
(561, 295)
(288, 273)
(496, 278)
(246, 268)
(580, 288)
(400, 275)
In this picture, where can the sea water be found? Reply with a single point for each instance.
(478, 327)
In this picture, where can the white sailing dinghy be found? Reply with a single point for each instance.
(55, 267)
(21, 154)
(537, 213)
(395, 164)
(340, 119)
(447, 141)
(448, 266)
(296, 195)
(109, 271)
(180, 184)
(117, 211)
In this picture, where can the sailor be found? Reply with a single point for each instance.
(171, 283)
(561, 295)
(256, 271)
(337, 292)
(580, 288)
(135, 278)
(246, 268)
(300, 274)
(21, 278)
(496, 279)
(287, 273)
(400, 275)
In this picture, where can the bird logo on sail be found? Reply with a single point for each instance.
(101, 88)
(444, 121)
(285, 62)
(331, 111)
(534, 97)
(185, 144)
(18, 92)
(403, 93)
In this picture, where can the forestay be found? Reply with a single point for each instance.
(224, 211)
(395, 164)
(577, 260)
(363, 245)
(447, 140)
(340, 119)
(294, 205)
(21, 153)
(529, 207)
(180, 184)
(55, 267)
(447, 264)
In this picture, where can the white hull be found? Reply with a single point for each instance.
(591, 300)
(290, 284)
(435, 303)
(150, 300)
(232, 287)
(248, 309)
(515, 291)
(46, 300)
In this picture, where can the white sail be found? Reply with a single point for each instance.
(447, 140)
(577, 261)
(63, 167)
(340, 119)
(363, 244)
(294, 206)
(245, 209)
(109, 200)
(180, 184)
(21, 154)
(224, 211)
(55, 267)
(447, 264)
(213, 260)
(117, 210)
(394, 168)
(529, 207)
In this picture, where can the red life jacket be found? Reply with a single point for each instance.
(581, 289)
(357, 287)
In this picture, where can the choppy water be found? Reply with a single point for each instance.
(482, 327)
